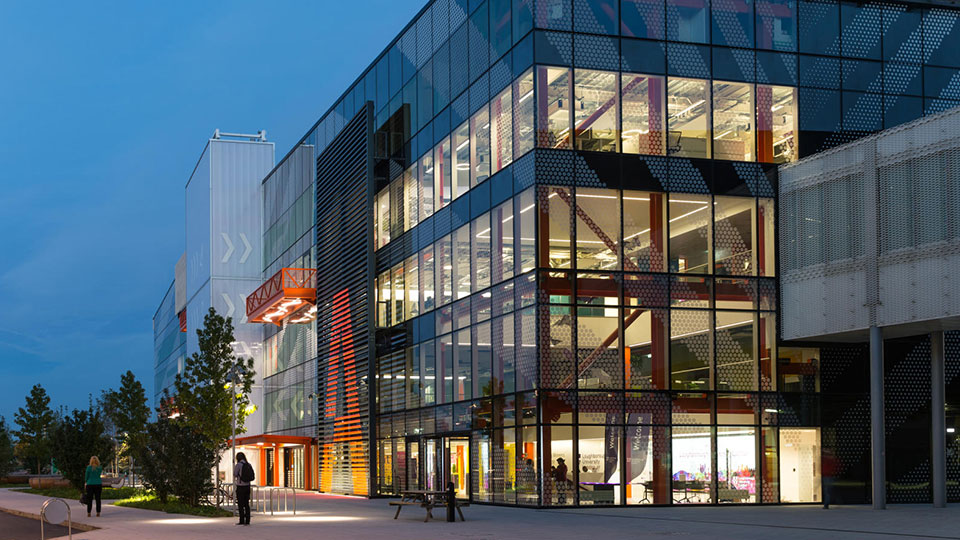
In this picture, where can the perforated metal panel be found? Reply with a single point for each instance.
(870, 232)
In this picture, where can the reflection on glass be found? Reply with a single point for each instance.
(598, 356)
(480, 252)
(645, 348)
(443, 189)
(501, 135)
(411, 198)
(523, 111)
(733, 129)
(642, 18)
(688, 110)
(383, 217)
(777, 25)
(688, 20)
(691, 349)
(644, 231)
(462, 275)
(503, 354)
(776, 123)
(428, 298)
(480, 146)
(555, 205)
(556, 347)
(692, 452)
(736, 354)
(501, 233)
(463, 383)
(553, 107)
(767, 345)
(444, 270)
(766, 237)
(558, 482)
(647, 464)
(461, 160)
(798, 369)
(733, 23)
(690, 233)
(736, 464)
(595, 110)
(482, 359)
(445, 368)
(428, 367)
(528, 470)
(426, 186)
(398, 294)
(643, 114)
(735, 244)
(599, 464)
(598, 229)
(524, 210)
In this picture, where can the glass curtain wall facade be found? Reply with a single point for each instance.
(169, 344)
(574, 268)
(290, 352)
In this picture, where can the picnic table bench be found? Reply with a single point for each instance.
(428, 500)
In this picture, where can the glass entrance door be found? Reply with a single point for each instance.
(432, 464)
(799, 465)
(458, 465)
(413, 465)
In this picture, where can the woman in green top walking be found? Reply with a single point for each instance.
(92, 484)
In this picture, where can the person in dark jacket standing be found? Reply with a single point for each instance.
(92, 484)
(243, 488)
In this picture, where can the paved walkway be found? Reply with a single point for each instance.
(325, 516)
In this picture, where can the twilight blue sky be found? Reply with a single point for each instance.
(104, 110)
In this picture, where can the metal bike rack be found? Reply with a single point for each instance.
(285, 491)
(43, 517)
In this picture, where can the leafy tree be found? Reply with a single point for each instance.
(203, 396)
(35, 422)
(7, 459)
(128, 413)
(175, 459)
(75, 438)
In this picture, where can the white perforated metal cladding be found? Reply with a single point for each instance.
(870, 232)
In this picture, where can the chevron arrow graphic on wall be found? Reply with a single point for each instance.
(230, 248)
(247, 249)
(230, 306)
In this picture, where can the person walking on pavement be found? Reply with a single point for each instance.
(242, 477)
(92, 484)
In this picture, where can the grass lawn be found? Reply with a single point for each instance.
(69, 493)
(149, 501)
(2, 485)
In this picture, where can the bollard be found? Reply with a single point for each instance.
(451, 502)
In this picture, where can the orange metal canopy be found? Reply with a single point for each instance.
(270, 440)
(290, 295)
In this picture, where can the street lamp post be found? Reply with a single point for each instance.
(232, 377)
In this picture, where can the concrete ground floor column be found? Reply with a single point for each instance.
(938, 424)
(878, 460)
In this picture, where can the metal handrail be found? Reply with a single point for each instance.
(43, 517)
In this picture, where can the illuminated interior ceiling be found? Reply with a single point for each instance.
(289, 296)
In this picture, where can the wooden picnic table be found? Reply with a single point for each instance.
(426, 499)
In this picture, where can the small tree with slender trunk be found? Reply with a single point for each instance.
(76, 437)
(35, 422)
(203, 396)
(129, 413)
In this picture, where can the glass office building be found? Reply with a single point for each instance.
(545, 245)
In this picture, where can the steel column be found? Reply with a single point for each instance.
(877, 447)
(938, 424)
